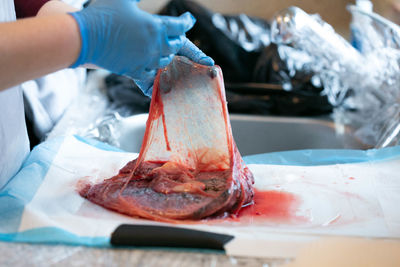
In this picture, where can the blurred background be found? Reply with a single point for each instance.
(333, 12)
(329, 81)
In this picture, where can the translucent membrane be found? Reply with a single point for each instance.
(189, 166)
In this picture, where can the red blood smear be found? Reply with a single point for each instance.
(352, 178)
(165, 131)
(274, 205)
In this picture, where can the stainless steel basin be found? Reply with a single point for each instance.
(261, 134)
(255, 134)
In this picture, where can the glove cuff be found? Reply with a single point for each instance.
(82, 58)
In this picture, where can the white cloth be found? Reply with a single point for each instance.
(341, 199)
(47, 98)
(7, 10)
(14, 142)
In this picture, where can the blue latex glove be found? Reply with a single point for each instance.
(118, 36)
(188, 50)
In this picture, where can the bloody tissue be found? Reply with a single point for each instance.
(189, 167)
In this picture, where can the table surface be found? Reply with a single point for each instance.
(15, 254)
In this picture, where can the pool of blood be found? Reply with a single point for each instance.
(274, 206)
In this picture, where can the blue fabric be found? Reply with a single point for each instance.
(22, 188)
(54, 235)
(323, 156)
(98, 144)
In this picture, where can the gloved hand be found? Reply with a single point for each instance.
(118, 36)
(188, 50)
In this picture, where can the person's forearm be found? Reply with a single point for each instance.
(33, 47)
(58, 7)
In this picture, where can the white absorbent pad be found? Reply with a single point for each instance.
(300, 197)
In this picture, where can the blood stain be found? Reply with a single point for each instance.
(277, 206)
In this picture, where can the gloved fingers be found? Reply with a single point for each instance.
(176, 26)
(164, 61)
(160, 62)
(191, 51)
(146, 80)
(173, 45)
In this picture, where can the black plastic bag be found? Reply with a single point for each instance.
(254, 73)
(229, 40)
(125, 96)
